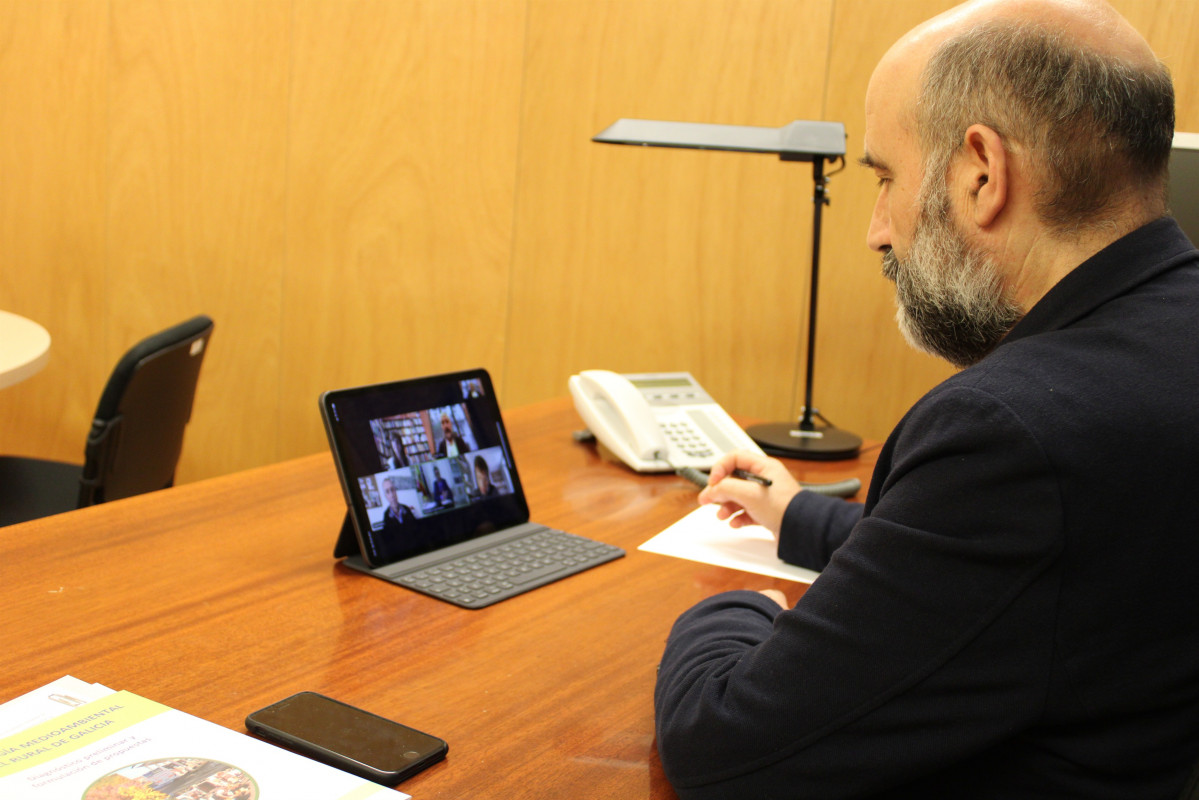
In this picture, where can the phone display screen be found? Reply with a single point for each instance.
(347, 737)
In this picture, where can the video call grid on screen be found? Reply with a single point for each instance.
(425, 480)
(446, 454)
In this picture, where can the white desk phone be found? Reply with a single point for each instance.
(656, 421)
(665, 421)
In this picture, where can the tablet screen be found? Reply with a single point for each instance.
(424, 463)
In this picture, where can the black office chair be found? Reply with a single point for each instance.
(135, 439)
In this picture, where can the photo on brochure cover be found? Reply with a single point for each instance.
(182, 778)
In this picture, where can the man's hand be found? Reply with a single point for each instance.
(745, 502)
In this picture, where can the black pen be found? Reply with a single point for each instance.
(745, 475)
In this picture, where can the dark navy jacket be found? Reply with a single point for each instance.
(1014, 611)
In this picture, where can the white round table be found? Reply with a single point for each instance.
(24, 348)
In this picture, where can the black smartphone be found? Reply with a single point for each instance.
(346, 737)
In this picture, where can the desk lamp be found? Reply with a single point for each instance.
(802, 140)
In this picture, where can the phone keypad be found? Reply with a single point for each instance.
(687, 439)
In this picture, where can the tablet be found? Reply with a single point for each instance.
(424, 464)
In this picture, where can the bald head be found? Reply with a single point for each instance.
(1091, 24)
(1068, 84)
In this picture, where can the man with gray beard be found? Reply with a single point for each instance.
(1011, 612)
(950, 295)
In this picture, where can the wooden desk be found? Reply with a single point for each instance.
(222, 596)
(24, 348)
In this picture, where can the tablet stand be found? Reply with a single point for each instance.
(347, 540)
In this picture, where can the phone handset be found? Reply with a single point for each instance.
(620, 417)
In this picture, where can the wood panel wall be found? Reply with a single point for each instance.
(363, 190)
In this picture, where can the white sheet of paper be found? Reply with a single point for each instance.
(701, 537)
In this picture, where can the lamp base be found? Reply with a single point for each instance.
(822, 443)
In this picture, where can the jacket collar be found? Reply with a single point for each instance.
(1142, 255)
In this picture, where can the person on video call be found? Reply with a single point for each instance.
(483, 478)
(451, 443)
(397, 457)
(442, 494)
(1012, 611)
(396, 515)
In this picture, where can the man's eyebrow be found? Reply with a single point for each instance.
(870, 162)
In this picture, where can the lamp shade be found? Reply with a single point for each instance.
(802, 140)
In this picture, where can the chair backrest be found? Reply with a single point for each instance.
(137, 435)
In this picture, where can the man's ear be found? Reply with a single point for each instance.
(984, 171)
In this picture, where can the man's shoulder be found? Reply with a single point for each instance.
(1074, 390)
